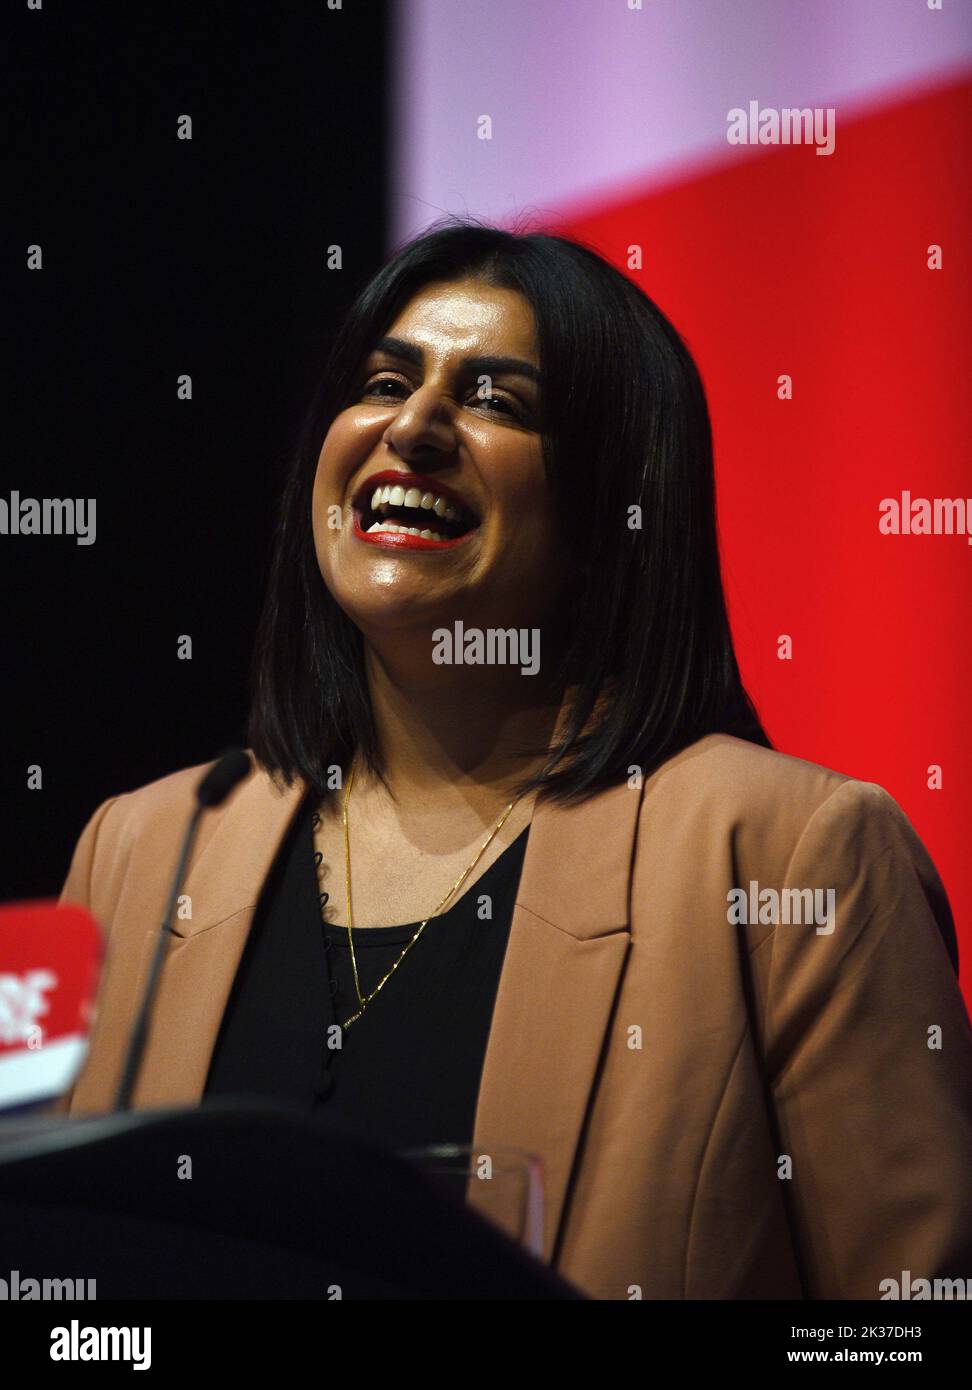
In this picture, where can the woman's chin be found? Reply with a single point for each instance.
(385, 616)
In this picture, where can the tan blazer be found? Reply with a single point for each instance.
(759, 1109)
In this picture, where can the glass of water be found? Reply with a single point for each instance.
(504, 1185)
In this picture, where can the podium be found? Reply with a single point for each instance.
(240, 1200)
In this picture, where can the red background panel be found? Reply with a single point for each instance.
(778, 260)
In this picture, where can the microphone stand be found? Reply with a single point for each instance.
(230, 769)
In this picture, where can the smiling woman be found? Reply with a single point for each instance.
(534, 949)
(462, 440)
(436, 381)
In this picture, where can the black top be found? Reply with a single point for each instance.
(407, 1071)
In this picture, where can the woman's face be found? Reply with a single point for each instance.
(425, 426)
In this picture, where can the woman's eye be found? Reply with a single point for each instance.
(494, 404)
(371, 387)
(500, 402)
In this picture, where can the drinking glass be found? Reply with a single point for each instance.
(504, 1185)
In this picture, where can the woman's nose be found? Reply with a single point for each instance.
(421, 423)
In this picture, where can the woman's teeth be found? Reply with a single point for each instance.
(405, 531)
(394, 495)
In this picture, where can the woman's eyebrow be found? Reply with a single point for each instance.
(483, 365)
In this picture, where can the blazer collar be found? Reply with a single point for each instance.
(565, 848)
(229, 868)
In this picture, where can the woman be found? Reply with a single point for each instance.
(516, 863)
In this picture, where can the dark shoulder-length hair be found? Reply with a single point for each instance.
(649, 660)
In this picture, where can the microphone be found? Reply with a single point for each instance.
(217, 784)
(231, 767)
(50, 959)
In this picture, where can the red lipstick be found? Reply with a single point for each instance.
(398, 540)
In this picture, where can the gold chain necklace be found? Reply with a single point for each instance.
(363, 1000)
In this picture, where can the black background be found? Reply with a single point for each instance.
(161, 257)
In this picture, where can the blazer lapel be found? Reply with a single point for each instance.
(568, 941)
(222, 887)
